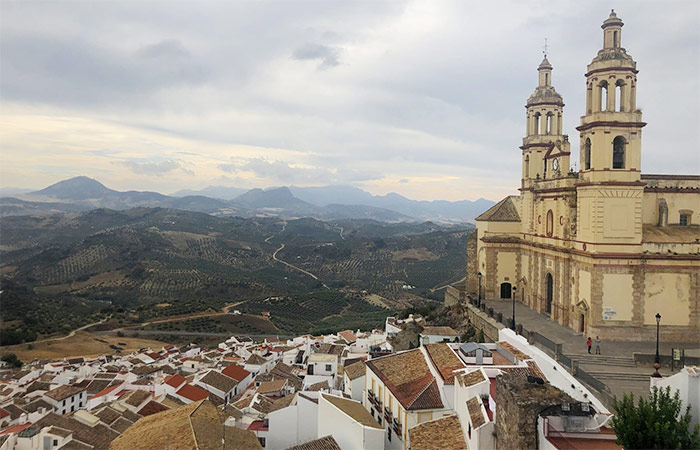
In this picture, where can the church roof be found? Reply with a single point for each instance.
(504, 211)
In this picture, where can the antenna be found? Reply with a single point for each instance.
(545, 48)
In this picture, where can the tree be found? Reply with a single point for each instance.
(656, 423)
(12, 360)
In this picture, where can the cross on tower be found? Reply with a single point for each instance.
(545, 48)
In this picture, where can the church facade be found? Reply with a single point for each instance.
(604, 249)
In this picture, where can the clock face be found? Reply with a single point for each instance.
(556, 163)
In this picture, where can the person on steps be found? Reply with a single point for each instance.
(589, 343)
(597, 345)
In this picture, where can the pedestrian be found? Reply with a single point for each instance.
(597, 345)
(589, 343)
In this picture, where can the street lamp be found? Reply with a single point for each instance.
(512, 327)
(478, 275)
(657, 359)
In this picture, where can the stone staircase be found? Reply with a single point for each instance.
(603, 360)
(620, 376)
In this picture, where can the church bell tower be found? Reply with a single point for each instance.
(610, 188)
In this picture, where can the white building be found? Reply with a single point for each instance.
(67, 398)
(687, 383)
(354, 380)
(434, 335)
(349, 423)
(293, 425)
(322, 364)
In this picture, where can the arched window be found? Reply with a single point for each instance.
(615, 39)
(527, 166)
(537, 123)
(619, 98)
(589, 98)
(603, 105)
(550, 223)
(587, 154)
(549, 124)
(619, 153)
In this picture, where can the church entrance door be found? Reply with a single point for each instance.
(550, 293)
(506, 290)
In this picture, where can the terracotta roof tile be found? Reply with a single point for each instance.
(444, 360)
(218, 381)
(193, 393)
(513, 350)
(353, 409)
(236, 372)
(408, 377)
(64, 391)
(474, 407)
(355, 370)
(504, 211)
(323, 443)
(443, 433)
(471, 378)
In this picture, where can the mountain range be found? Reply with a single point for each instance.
(327, 202)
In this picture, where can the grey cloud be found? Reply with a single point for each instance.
(169, 48)
(329, 56)
(285, 172)
(153, 168)
(72, 72)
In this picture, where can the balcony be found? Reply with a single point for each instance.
(387, 415)
(397, 427)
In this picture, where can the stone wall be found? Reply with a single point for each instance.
(481, 321)
(472, 284)
(519, 403)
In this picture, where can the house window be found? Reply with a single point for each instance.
(64, 402)
(328, 367)
(55, 442)
(262, 441)
(619, 153)
(685, 220)
(470, 431)
(388, 434)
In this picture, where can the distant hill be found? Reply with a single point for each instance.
(326, 202)
(78, 188)
(222, 192)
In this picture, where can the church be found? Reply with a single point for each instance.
(604, 249)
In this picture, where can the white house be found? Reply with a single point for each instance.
(242, 377)
(354, 380)
(349, 423)
(67, 398)
(433, 335)
(687, 383)
(322, 364)
(218, 384)
(402, 392)
(293, 425)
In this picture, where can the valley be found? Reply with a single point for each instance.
(169, 270)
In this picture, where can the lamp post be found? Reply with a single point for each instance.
(512, 324)
(478, 275)
(657, 359)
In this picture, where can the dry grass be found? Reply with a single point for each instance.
(418, 254)
(82, 344)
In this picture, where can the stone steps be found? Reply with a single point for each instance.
(604, 360)
(621, 376)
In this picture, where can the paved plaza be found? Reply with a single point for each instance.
(615, 366)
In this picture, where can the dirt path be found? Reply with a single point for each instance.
(274, 256)
(71, 334)
(447, 284)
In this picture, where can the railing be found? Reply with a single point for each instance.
(387, 414)
(397, 427)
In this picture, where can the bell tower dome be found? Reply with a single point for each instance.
(609, 183)
(611, 129)
(545, 149)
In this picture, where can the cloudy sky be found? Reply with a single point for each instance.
(420, 98)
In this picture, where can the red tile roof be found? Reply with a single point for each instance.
(444, 360)
(236, 372)
(3, 413)
(193, 393)
(257, 425)
(408, 377)
(17, 428)
(152, 407)
(106, 391)
(175, 380)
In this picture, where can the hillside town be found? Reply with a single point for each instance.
(348, 390)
